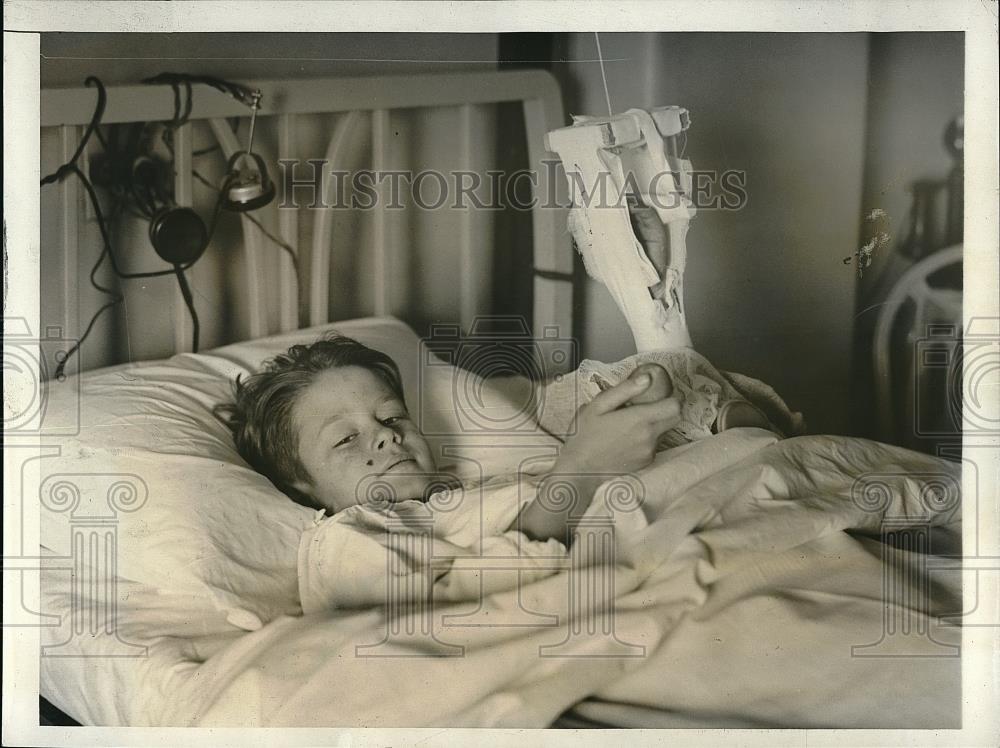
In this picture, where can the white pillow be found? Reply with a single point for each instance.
(153, 463)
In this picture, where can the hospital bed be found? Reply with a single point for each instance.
(769, 582)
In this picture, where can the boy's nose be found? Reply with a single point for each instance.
(387, 437)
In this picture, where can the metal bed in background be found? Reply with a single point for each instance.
(364, 107)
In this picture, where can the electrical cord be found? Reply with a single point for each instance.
(189, 302)
(241, 93)
(281, 245)
(169, 143)
(117, 298)
(181, 115)
(71, 168)
(100, 138)
(143, 198)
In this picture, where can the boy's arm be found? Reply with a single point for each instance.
(611, 438)
(560, 498)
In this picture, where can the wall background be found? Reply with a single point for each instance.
(916, 85)
(767, 293)
(826, 126)
(68, 58)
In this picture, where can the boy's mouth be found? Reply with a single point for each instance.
(399, 462)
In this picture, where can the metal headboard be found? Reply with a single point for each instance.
(70, 110)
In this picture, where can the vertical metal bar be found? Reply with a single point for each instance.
(319, 258)
(252, 245)
(288, 230)
(475, 276)
(380, 238)
(552, 251)
(184, 197)
(70, 198)
(255, 279)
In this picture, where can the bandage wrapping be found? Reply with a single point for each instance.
(605, 160)
(700, 388)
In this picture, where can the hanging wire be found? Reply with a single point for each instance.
(221, 191)
(249, 216)
(71, 168)
(189, 303)
(241, 93)
(142, 195)
(604, 75)
(244, 94)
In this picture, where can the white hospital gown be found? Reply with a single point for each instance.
(359, 557)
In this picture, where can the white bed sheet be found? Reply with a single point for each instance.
(737, 577)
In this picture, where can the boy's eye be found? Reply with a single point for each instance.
(393, 419)
(346, 440)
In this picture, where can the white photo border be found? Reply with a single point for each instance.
(976, 18)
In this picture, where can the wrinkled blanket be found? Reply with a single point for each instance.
(744, 581)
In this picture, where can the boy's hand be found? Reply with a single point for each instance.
(616, 432)
(610, 438)
(661, 385)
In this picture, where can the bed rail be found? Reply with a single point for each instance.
(370, 101)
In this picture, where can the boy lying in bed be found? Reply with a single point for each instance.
(323, 419)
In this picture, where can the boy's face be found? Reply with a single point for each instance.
(351, 428)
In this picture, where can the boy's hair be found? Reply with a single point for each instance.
(260, 415)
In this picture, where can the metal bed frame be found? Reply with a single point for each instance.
(537, 91)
